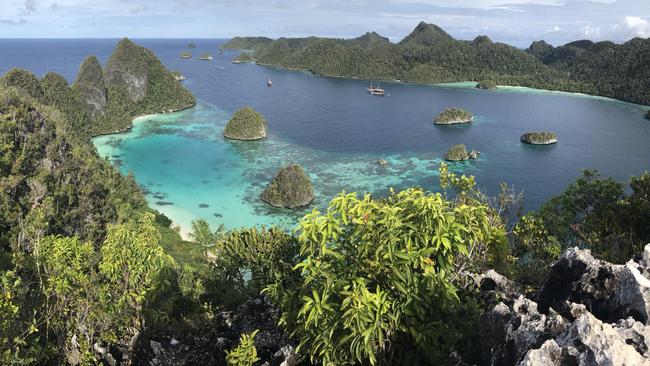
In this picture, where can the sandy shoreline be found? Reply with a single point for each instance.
(184, 232)
(456, 84)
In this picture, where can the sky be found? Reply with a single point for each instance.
(517, 22)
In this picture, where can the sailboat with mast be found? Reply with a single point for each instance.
(377, 91)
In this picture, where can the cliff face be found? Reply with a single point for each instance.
(138, 83)
(91, 86)
(128, 67)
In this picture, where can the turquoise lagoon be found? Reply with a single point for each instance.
(338, 132)
(188, 170)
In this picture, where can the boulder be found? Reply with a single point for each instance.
(473, 155)
(507, 333)
(291, 188)
(246, 124)
(587, 341)
(610, 291)
(588, 312)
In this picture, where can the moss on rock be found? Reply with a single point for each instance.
(539, 138)
(457, 153)
(291, 188)
(452, 116)
(246, 124)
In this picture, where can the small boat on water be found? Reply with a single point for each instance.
(206, 57)
(376, 91)
(269, 83)
(220, 51)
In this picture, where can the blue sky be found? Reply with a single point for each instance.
(516, 22)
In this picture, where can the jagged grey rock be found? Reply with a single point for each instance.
(590, 312)
(587, 341)
(611, 292)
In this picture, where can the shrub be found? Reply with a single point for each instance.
(377, 277)
(245, 354)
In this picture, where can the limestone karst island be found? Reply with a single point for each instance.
(371, 183)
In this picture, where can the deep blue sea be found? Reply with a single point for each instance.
(338, 132)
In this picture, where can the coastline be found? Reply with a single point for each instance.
(460, 85)
(130, 127)
(184, 232)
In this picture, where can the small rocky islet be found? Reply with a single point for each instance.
(487, 85)
(539, 138)
(459, 153)
(452, 116)
(291, 188)
(246, 125)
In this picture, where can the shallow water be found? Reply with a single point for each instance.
(338, 132)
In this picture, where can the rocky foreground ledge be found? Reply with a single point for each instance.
(588, 312)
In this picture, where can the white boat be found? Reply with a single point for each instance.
(376, 91)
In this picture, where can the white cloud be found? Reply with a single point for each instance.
(637, 26)
(591, 32)
(555, 29)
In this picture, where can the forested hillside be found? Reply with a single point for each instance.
(430, 55)
(614, 70)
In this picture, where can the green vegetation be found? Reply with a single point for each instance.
(539, 138)
(90, 274)
(603, 68)
(487, 85)
(243, 57)
(430, 55)
(245, 354)
(380, 273)
(139, 84)
(87, 270)
(291, 188)
(91, 86)
(25, 81)
(247, 43)
(457, 153)
(452, 116)
(246, 124)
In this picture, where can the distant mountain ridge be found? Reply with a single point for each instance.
(430, 55)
